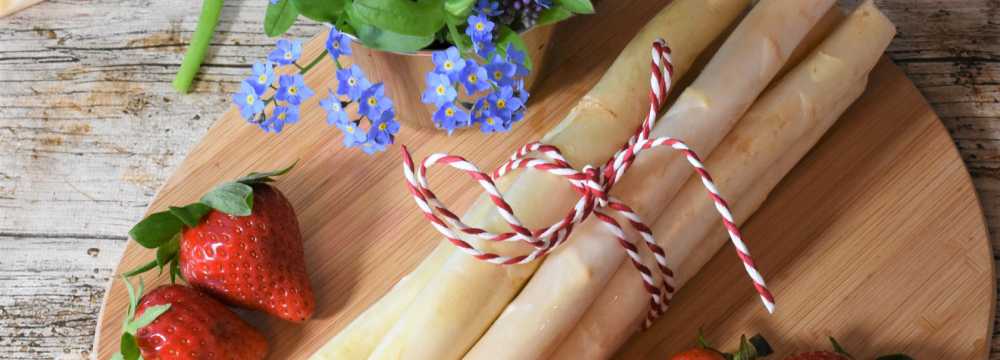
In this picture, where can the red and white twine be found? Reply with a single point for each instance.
(594, 186)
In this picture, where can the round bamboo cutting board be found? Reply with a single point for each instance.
(875, 238)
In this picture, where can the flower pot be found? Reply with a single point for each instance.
(404, 74)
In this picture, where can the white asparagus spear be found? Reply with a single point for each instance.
(835, 71)
(569, 279)
(690, 26)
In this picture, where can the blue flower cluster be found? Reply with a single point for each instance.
(290, 92)
(496, 87)
(352, 88)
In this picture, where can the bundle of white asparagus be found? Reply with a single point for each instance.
(573, 307)
(596, 127)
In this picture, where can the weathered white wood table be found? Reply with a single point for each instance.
(90, 126)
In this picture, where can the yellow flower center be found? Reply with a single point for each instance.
(501, 103)
(293, 90)
(449, 112)
(350, 129)
(497, 75)
(382, 126)
(282, 116)
(448, 65)
(440, 90)
(489, 120)
(250, 99)
(480, 26)
(288, 55)
(351, 81)
(262, 79)
(372, 101)
(473, 78)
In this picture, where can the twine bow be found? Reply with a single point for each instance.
(594, 186)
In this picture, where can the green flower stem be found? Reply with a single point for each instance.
(313, 63)
(456, 37)
(200, 41)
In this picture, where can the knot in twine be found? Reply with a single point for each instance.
(594, 186)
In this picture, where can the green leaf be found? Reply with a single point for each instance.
(156, 229)
(190, 215)
(839, 349)
(509, 36)
(139, 270)
(168, 252)
(175, 271)
(129, 347)
(404, 17)
(746, 351)
(256, 177)
(553, 15)
(382, 39)
(328, 11)
(577, 6)
(459, 8)
(147, 317)
(702, 341)
(231, 198)
(279, 17)
(117, 356)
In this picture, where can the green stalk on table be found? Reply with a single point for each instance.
(202, 37)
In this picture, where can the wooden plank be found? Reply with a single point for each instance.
(90, 128)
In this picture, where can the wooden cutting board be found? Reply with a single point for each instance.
(876, 237)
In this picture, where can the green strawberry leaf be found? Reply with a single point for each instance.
(232, 198)
(459, 8)
(279, 17)
(117, 356)
(129, 347)
(259, 177)
(156, 229)
(746, 351)
(168, 252)
(577, 6)
(327, 11)
(839, 349)
(405, 17)
(175, 271)
(147, 317)
(509, 36)
(553, 15)
(139, 270)
(190, 215)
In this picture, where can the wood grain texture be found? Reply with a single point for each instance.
(90, 128)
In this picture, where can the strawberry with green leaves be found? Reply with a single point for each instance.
(240, 243)
(177, 322)
(750, 349)
(839, 353)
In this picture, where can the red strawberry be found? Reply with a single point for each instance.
(253, 261)
(177, 322)
(750, 349)
(241, 243)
